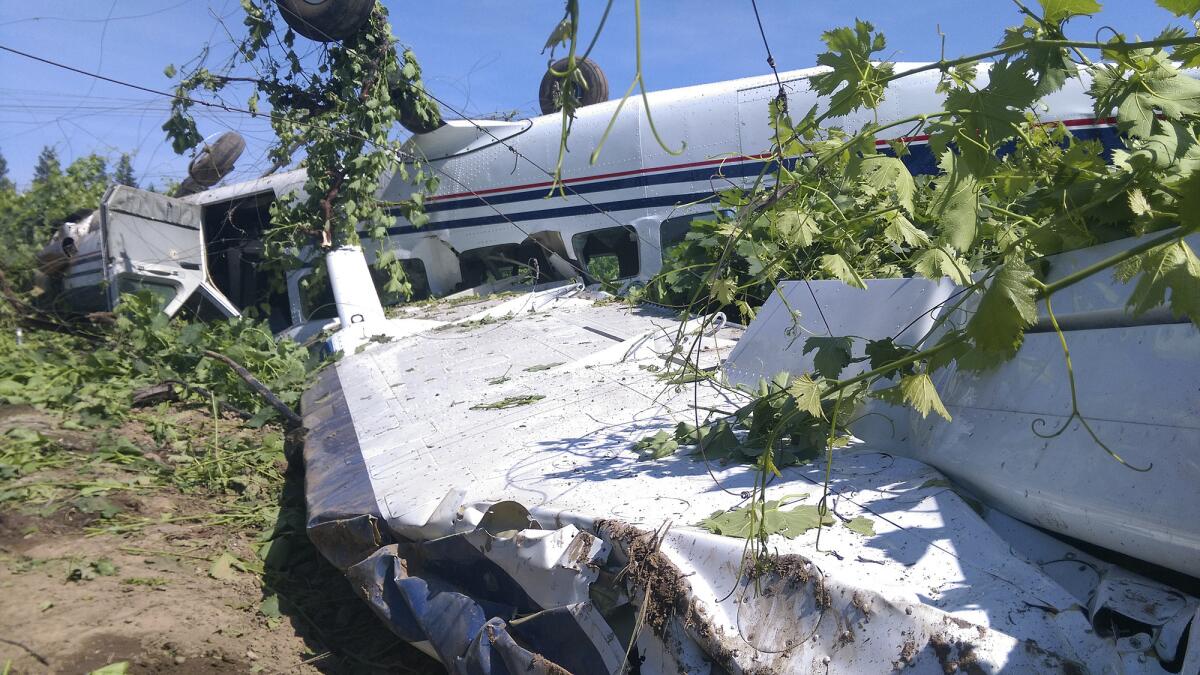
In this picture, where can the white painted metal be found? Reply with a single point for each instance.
(934, 572)
(1136, 386)
(353, 290)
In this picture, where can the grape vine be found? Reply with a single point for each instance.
(1010, 190)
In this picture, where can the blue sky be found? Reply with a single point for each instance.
(481, 56)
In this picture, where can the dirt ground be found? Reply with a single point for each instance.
(73, 603)
(179, 596)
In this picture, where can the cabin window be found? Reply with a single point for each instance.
(163, 292)
(527, 260)
(414, 269)
(233, 232)
(200, 308)
(316, 298)
(608, 254)
(673, 231)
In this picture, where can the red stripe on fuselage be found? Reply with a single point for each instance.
(714, 162)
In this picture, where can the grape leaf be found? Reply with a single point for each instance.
(885, 351)
(900, 230)
(916, 390)
(744, 522)
(797, 227)
(723, 290)
(1056, 11)
(807, 393)
(833, 354)
(1006, 309)
(1180, 7)
(837, 267)
(1152, 86)
(657, 446)
(1172, 267)
(853, 79)
(862, 525)
(990, 114)
(1050, 65)
(935, 263)
(888, 174)
(955, 203)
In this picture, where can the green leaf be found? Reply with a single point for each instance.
(1006, 309)
(900, 230)
(1171, 267)
(986, 117)
(935, 263)
(713, 441)
(807, 394)
(269, 607)
(1189, 203)
(797, 227)
(117, 668)
(1180, 7)
(104, 567)
(723, 290)
(915, 390)
(885, 351)
(1056, 11)
(862, 525)
(854, 79)
(751, 520)
(833, 354)
(955, 203)
(837, 267)
(1138, 203)
(1139, 94)
(890, 175)
(222, 567)
(657, 446)
(560, 34)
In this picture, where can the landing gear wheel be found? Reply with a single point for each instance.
(326, 20)
(595, 92)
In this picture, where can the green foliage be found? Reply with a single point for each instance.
(93, 379)
(341, 113)
(6, 183)
(1011, 189)
(123, 172)
(1006, 309)
(855, 79)
(48, 166)
(764, 520)
(27, 218)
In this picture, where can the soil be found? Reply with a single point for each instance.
(76, 598)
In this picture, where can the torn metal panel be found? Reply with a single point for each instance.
(504, 513)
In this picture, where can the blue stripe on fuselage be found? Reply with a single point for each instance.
(919, 160)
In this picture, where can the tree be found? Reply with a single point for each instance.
(123, 174)
(340, 112)
(6, 185)
(48, 166)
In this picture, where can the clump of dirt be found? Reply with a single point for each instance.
(795, 569)
(955, 657)
(666, 590)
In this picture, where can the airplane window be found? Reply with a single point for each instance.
(673, 230)
(608, 254)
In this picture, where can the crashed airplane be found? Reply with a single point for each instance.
(470, 463)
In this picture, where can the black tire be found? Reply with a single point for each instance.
(596, 91)
(216, 159)
(326, 20)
